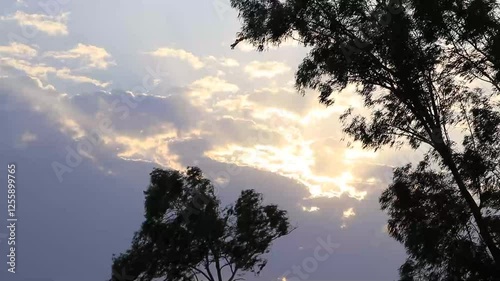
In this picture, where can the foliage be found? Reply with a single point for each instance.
(186, 235)
(416, 64)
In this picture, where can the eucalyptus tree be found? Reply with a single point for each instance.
(187, 235)
(414, 63)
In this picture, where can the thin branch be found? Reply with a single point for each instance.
(200, 271)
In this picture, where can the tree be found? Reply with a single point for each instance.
(186, 235)
(434, 222)
(413, 62)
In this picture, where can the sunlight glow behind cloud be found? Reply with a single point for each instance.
(294, 161)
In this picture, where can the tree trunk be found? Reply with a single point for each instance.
(484, 231)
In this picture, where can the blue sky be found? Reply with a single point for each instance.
(94, 94)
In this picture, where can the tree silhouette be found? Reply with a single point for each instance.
(186, 235)
(412, 62)
(434, 222)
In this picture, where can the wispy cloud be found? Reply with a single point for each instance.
(226, 62)
(21, 3)
(18, 50)
(51, 25)
(348, 213)
(66, 74)
(229, 62)
(28, 137)
(33, 70)
(92, 56)
(311, 209)
(180, 54)
(214, 84)
(266, 69)
(41, 70)
(205, 87)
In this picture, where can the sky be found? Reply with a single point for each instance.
(95, 94)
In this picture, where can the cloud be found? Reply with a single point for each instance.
(51, 25)
(276, 90)
(180, 54)
(152, 149)
(18, 50)
(245, 47)
(293, 160)
(239, 103)
(40, 71)
(21, 57)
(311, 209)
(204, 88)
(272, 129)
(268, 69)
(166, 131)
(348, 213)
(227, 62)
(94, 57)
(228, 130)
(154, 135)
(286, 143)
(357, 152)
(284, 97)
(66, 74)
(28, 137)
(33, 70)
(233, 131)
(214, 84)
(21, 3)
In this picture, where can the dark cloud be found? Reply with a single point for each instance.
(69, 230)
(147, 113)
